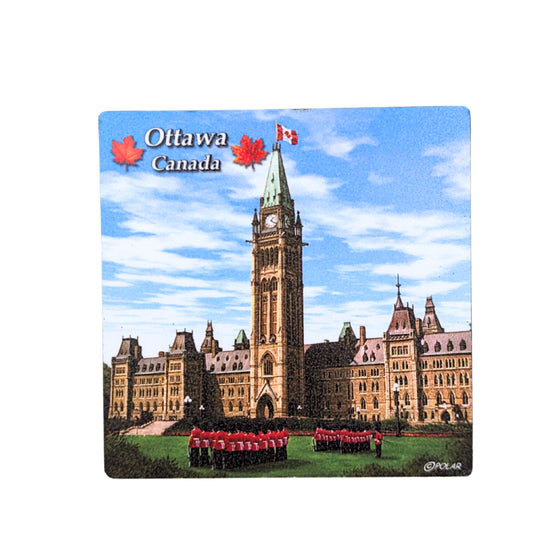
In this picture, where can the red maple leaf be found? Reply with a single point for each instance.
(125, 152)
(249, 152)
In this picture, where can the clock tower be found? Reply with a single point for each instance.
(276, 376)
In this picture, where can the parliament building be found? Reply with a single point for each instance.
(414, 364)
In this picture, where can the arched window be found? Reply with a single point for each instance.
(407, 399)
(452, 397)
(234, 366)
(363, 404)
(449, 345)
(436, 380)
(462, 345)
(439, 398)
(425, 380)
(424, 399)
(405, 380)
(466, 378)
(240, 406)
(230, 406)
(375, 402)
(437, 347)
(465, 398)
(268, 366)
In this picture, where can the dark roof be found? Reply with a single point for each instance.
(444, 338)
(151, 365)
(403, 320)
(373, 354)
(184, 342)
(226, 360)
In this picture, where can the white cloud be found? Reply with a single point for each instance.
(322, 131)
(454, 167)
(376, 179)
(340, 146)
(246, 184)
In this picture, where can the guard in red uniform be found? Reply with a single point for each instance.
(194, 448)
(219, 450)
(230, 451)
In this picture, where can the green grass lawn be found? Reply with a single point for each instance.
(303, 461)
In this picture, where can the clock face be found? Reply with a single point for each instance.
(271, 221)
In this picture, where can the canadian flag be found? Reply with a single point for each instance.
(282, 133)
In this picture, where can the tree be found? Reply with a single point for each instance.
(106, 390)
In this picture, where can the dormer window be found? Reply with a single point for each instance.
(462, 345)
(437, 347)
(449, 346)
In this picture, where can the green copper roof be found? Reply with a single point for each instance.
(346, 329)
(276, 191)
(241, 337)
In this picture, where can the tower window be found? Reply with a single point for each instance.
(267, 367)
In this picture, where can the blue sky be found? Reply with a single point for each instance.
(381, 192)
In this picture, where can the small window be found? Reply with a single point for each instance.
(437, 347)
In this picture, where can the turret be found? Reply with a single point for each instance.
(430, 323)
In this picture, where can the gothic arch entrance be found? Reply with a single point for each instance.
(265, 408)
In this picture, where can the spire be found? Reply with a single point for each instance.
(430, 323)
(403, 319)
(298, 225)
(255, 223)
(276, 191)
(210, 345)
(399, 303)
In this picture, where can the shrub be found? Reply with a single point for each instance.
(243, 424)
(115, 425)
(125, 460)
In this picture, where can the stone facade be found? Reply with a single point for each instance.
(414, 364)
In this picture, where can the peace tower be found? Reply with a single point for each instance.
(277, 351)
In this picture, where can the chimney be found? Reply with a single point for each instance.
(362, 335)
